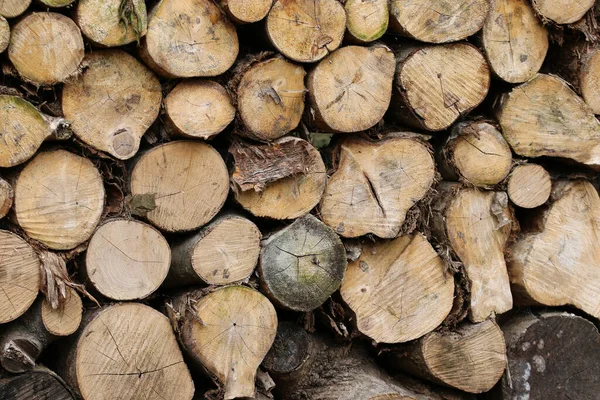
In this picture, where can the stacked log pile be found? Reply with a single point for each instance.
(299, 199)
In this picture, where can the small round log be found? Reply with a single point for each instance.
(246, 11)
(112, 103)
(56, 3)
(64, 320)
(4, 34)
(61, 40)
(367, 20)
(198, 109)
(529, 185)
(127, 260)
(306, 30)
(562, 11)
(350, 90)
(302, 264)
(180, 185)
(13, 8)
(37, 384)
(59, 198)
(7, 195)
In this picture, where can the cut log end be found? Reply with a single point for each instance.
(399, 289)
(562, 11)
(61, 181)
(589, 79)
(13, 8)
(56, 3)
(59, 38)
(65, 320)
(367, 20)
(433, 21)
(351, 89)
(199, 109)
(302, 264)
(529, 185)
(127, 260)
(6, 197)
(38, 384)
(247, 11)
(306, 31)
(4, 34)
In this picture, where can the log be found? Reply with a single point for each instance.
(475, 153)
(37, 384)
(56, 3)
(282, 180)
(375, 184)
(579, 64)
(514, 40)
(4, 34)
(553, 355)
(562, 11)
(179, 186)
(19, 276)
(556, 263)
(112, 104)
(367, 21)
(477, 225)
(112, 23)
(126, 351)
(246, 11)
(398, 290)
(471, 358)
(270, 98)
(435, 21)
(13, 8)
(24, 130)
(529, 185)
(455, 81)
(59, 199)
(179, 46)
(228, 332)
(7, 195)
(127, 260)
(198, 109)
(305, 30)
(350, 90)
(544, 117)
(64, 320)
(46, 48)
(302, 265)
(223, 252)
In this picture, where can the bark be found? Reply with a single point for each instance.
(367, 20)
(126, 260)
(7, 195)
(182, 185)
(13, 8)
(398, 289)
(562, 11)
(302, 264)
(69, 185)
(37, 384)
(38, 40)
(529, 185)
(456, 80)
(350, 90)
(246, 11)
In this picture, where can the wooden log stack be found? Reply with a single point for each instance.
(299, 199)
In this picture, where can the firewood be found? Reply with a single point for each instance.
(13, 8)
(223, 252)
(455, 80)
(306, 30)
(556, 264)
(59, 199)
(7, 195)
(553, 355)
(366, 20)
(188, 38)
(562, 11)
(472, 358)
(111, 23)
(64, 320)
(270, 98)
(375, 184)
(246, 11)
(477, 225)
(282, 180)
(179, 186)
(19, 276)
(398, 290)
(198, 109)
(579, 63)
(4, 34)
(56, 3)
(529, 185)
(112, 104)
(514, 40)
(435, 21)
(37, 384)
(46, 48)
(544, 117)
(126, 351)
(127, 260)
(350, 90)
(477, 153)
(228, 332)
(302, 264)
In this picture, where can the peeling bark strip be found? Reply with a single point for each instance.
(258, 165)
